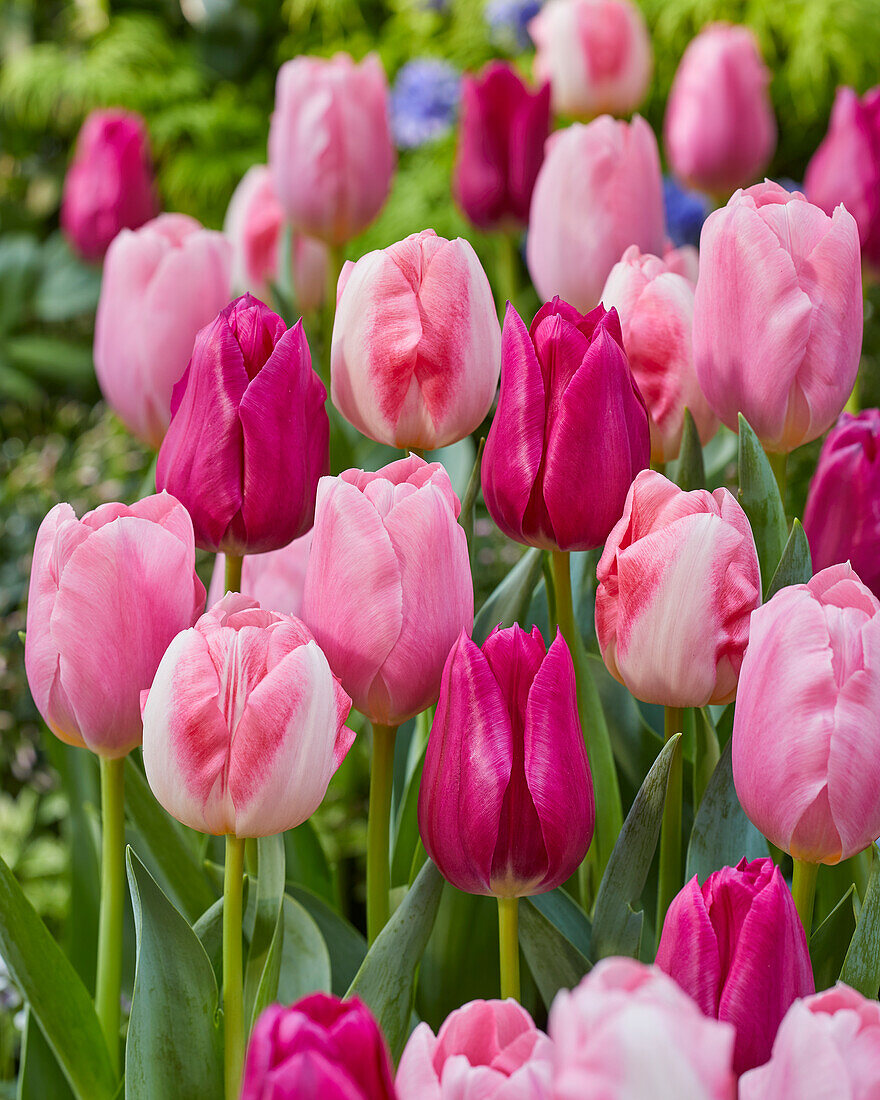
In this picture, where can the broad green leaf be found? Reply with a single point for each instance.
(795, 565)
(51, 359)
(564, 913)
(209, 929)
(307, 861)
(861, 967)
(39, 1075)
(553, 959)
(407, 835)
(689, 471)
(67, 288)
(347, 947)
(829, 942)
(305, 962)
(761, 502)
(265, 929)
(511, 599)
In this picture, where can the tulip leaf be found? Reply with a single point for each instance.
(347, 947)
(617, 925)
(510, 600)
(386, 979)
(761, 502)
(469, 500)
(39, 1075)
(829, 942)
(305, 960)
(861, 967)
(174, 1048)
(565, 914)
(689, 472)
(706, 752)
(306, 861)
(633, 740)
(795, 565)
(554, 961)
(209, 929)
(265, 927)
(407, 835)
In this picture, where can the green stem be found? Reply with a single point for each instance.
(233, 1000)
(670, 829)
(378, 829)
(508, 944)
(803, 890)
(507, 270)
(778, 463)
(109, 976)
(233, 572)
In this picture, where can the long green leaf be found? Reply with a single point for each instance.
(346, 945)
(830, 941)
(306, 861)
(510, 600)
(305, 964)
(795, 565)
(39, 1075)
(761, 502)
(861, 967)
(553, 959)
(565, 914)
(689, 471)
(407, 835)
(266, 933)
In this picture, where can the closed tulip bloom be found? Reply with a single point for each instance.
(161, 284)
(598, 191)
(737, 946)
(107, 594)
(627, 1032)
(806, 751)
(595, 53)
(388, 586)
(416, 343)
(570, 432)
(678, 581)
(778, 314)
(489, 1049)
(244, 725)
(655, 304)
(249, 435)
(330, 148)
(275, 579)
(506, 802)
(320, 1048)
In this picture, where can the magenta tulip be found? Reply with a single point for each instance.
(249, 435)
(161, 284)
(806, 746)
(388, 586)
(778, 314)
(107, 594)
(737, 946)
(571, 430)
(275, 579)
(598, 191)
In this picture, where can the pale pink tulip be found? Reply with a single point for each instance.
(275, 579)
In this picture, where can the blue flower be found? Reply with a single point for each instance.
(508, 22)
(685, 212)
(424, 101)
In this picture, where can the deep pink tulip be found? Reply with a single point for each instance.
(107, 594)
(842, 517)
(678, 580)
(320, 1048)
(244, 724)
(598, 191)
(595, 53)
(109, 184)
(388, 586)
(570, 432)
(506, 802)
(806, 745)
(719, 130)
(655, 304)
(846, 166)
(500, 147)
(161, 284)
(737, 946)
(627, 1032)
(416, 343)
(330, 148)
(274, 579)
(828, 1048)
(486, 1049)
(249, 435)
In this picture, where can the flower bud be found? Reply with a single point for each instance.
(275, 579)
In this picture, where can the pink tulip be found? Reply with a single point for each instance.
(274, 579)
(416, 343)
(595, 53)
(737, 946)
(627, 1032)
(684, 260)
(506, 802)
(161, 284)
(778, 314)
(678, 580)
(330, 148)
(489, 1050)
(598, 191)
(828, 1048)
(320, 1048)
(570, 432)
(244, 725)
(388, 586)
(719, 129)
(656, 310)
(107, 594)
(806, 748)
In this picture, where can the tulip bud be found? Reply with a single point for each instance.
(570, 433)
(107, 594)
(161, 284)
(678, 580)
(501, 146)
(806, 751)
(274, 579)
(506, 802)
(388, 585)
(737, 946)
(320, 1048)
(655, 304)
(249, 435)
(330, 148)
(244, 725)
(416, 343)
(598, 191)
(778, 314)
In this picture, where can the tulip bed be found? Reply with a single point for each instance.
(457, 658)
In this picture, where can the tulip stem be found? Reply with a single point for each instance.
(233, 1001)
(670, 828)
(378, 829)
(109, 974)
(778, 463)
(335, 260)
(508, 943)
(233, 572)
(507, 270)
(803, 890)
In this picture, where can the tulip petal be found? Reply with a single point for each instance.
(688, 948)
(416, 1077)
